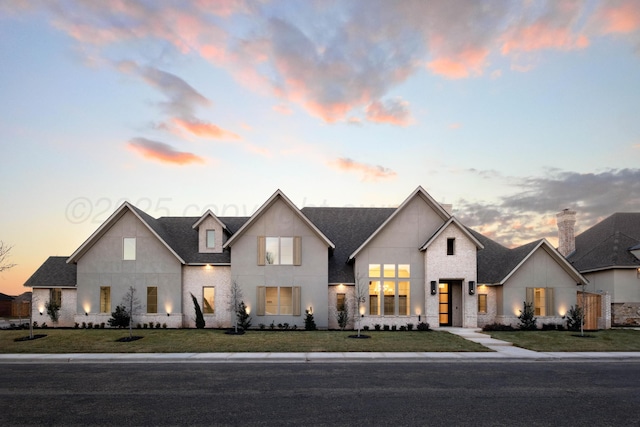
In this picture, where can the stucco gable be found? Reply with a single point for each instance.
(209, 214)
(151, 223)
(417, 193)
(278, 196)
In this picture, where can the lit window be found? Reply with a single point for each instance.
(389, 270)
(539, 301)
(208, 299)
(279, 300)
(374, 270)
(55, 295)
(340, 302)
(105, 299)
(451, 246)
(374, 298)
(211, 239)
(129, 249)
(482, 303)
(152, 299)
(395, 293)
(282, 251)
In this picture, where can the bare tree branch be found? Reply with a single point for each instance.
(4, 257)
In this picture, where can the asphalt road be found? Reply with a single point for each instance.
(361, 394)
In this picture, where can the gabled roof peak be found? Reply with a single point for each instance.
(204, 216)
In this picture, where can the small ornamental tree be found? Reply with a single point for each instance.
(342, 316)
(574, 318)
(244, 319)
(132, 304)
(199, 316)
(527, 317)
(53, 310)
(309, 323)
(120, 318)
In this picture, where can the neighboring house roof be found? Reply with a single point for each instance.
(465, 231)
(54, 272)
(278, 195)
(348, 228)
(497, 263)
(608, 244)
(418, 192)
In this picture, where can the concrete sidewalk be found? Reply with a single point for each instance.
(502, 351)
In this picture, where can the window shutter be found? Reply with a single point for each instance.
(549, 309)
(529, 296)
(296, 301)
(261, 250)
(297, 250)
(262, 292)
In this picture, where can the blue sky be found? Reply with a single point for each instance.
(510, 111)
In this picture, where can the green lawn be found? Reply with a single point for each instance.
(606, 340)
(207, 340)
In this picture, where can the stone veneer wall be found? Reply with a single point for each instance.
(66, 317)
(334, 290)
(625, 314)
(492, 306)
(194, 279)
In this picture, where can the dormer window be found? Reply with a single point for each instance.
(211, 239)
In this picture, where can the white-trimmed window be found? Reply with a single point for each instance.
(279, 250)
(55, 295)
(211, 239)
(105, 299)
(129, 249)
(208, 299)
(278, 301)
(542, 300)
(152, 299)
(482, 303)
(391, 296)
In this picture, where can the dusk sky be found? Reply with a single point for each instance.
(510, 111)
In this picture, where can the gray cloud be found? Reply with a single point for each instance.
(530, 213)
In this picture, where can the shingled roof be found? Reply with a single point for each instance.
(347, 228)
(54, 272)
(608, 243)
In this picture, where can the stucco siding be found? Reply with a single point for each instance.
(540, 270)
(103, 265)
(279, 220)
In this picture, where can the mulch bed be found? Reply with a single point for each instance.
(35, 337)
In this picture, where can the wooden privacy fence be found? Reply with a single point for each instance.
(592, 309)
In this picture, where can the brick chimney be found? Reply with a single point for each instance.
(566, 220)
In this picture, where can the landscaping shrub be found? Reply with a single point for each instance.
(261, 326)
(403, 328)
(497, 327)
(120, 318)
(164, 326)
(199, 316)
(53, 310)
(366, 327)
(574, 318)
(527, 317)
(394, 327)
(385, 327)
(422, 326)
(244, 319)
(410, 326)
(376, 326)
(552, 327)
(309, 323)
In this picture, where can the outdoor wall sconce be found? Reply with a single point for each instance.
(40, 313)
(472, 287)
(86, 314)
(310, 309)
(433, 287)
(168, 314)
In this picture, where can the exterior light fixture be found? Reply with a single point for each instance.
(433, 287)
(310, 309)
(86, 314)
(168, 314)
(472, 287)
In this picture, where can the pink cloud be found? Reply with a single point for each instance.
(619, 16)
(461, 65)
(542, 36)
(162, 152)
(204, 129)
(393, 111)
(455, 126)
(367, 172)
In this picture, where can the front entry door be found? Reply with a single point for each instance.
(445, 304)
